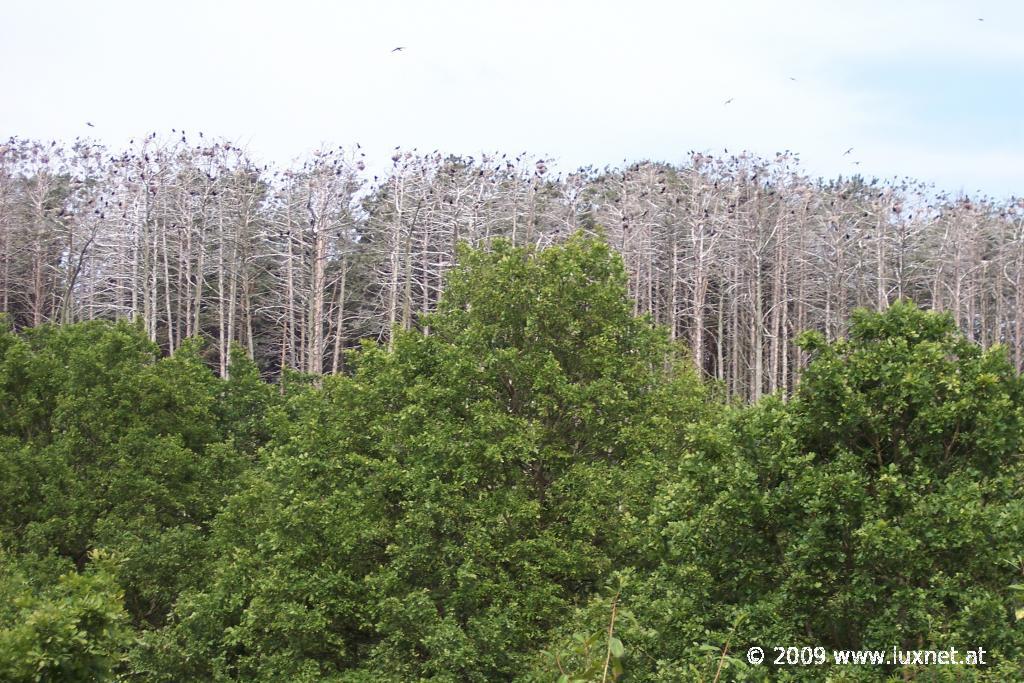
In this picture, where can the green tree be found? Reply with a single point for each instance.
(104, 443)
(441, 512)
(881, 506)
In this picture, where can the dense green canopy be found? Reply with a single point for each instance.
(534, 485)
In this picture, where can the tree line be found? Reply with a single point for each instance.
(734, 254)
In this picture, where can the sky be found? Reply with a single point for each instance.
(929, 89)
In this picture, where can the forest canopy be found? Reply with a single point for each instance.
(530, 481)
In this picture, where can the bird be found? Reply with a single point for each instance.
(90, 124)
(847, 151)
(398, 49)
(980, 19)
(729, 100)
(792, 79)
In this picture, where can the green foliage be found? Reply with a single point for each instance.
(534, 485)
(72, 628)
(105, 443)
(878, 507)
(439, 512)
(596, 656)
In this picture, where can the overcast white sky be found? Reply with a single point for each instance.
(919, 88)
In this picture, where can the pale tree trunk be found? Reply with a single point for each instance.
(339, 324)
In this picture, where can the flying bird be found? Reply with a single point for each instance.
(792, 79)
(847, 151)
(90, 124)
(398, 49)
(729, 100)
